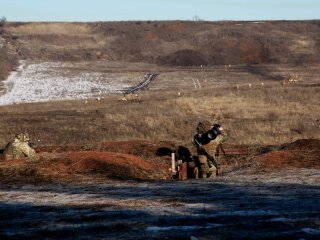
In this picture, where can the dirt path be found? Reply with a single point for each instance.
(242, 205)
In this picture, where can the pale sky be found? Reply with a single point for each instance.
(123, 10)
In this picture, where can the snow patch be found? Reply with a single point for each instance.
(49, 81)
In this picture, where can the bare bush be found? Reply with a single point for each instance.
(3, 21)
(7, 62)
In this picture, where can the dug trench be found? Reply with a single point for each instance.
(147, 160)
(122, 190)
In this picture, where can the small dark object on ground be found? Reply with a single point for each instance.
(163, 151)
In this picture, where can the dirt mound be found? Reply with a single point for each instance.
(186, 57)
(109, 164)
(57, 166)
(112, 160)
(304, 153)
(137, 148)
(303, 145)
(146, 160)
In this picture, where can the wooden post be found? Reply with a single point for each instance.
(173, 164)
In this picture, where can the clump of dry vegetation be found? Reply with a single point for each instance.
(8, 60)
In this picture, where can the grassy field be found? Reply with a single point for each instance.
(257, 115)
(233, 54)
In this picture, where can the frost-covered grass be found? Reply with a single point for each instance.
(128, 210)
(50, 81)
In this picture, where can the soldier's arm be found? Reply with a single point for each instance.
(27, 150)
(223, 137)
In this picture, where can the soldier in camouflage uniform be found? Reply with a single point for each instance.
(207, 141)
(19, 147)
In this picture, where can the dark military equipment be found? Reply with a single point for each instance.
(210, 134)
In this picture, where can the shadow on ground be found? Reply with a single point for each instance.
(219, 209)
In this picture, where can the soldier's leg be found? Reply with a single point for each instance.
(212, 172)
(196, 172)
(204, 167)
(192, 170)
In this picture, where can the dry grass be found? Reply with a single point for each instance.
(8, 62)
(271, 115)
(156, 42)
(50, 28)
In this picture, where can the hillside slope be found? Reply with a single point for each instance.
(171, 43)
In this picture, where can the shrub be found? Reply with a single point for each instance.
(7, 62)
(3, 21)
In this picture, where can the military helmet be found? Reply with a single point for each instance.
(26, 137)
(203, 126)
(19, 136)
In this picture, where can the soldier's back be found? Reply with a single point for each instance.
(16, 150)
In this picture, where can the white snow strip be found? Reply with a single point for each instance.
(49, 81)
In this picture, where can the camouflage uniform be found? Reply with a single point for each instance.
(19, 147)
(206, 169)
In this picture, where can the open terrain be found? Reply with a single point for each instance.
(102, 166)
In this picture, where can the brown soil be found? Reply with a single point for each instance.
(109, 164)
(146, 160)
(138, 147)
(303, 145)
(61, 167)
(186, 57)
(304, 153)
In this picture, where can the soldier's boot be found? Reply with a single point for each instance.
(204, 169)
(213, 172)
